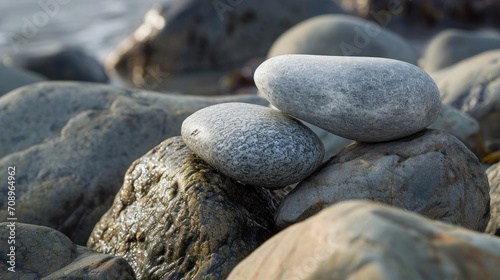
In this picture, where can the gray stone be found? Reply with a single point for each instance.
(72, 143)
(462, 126)
(494, 179)
(473, 86)
(365, 240)
(42, 252)
(66, 64)
(12, 78)
(452, 46)
(451, 120)
(178, 218)
(203, 40)
(431, 173)
(253, 144)
(343, 35)
(360, 98)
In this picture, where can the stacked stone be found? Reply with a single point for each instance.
(384, 105)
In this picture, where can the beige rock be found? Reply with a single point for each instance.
(364, 240)
(494, 179)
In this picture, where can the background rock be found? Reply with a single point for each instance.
(473, 86)
(452, 46)
(364, 240)
(177, 218)
(72, 143)
(205, 39)
(342, 35)
(67, 64)
(431, 173)
(42, 252)
(12, 78)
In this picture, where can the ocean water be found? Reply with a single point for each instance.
(43, 25)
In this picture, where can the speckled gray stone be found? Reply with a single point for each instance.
(176, 217)
(343, 35)
(45, 253)
(360, 240)
(253, 144)
(359, 98)
(453, 45)
(431, 173)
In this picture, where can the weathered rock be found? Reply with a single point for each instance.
(431, 173)
(253, 144)
(11, 78)
(473, 86)
(342, 35)
(360, 98)
(494, 179)
(178, 218)
(73, 142)
(452, 46)
(204, 39)
(67, 64)
(42, 252)
(365, 240)
(462, 126)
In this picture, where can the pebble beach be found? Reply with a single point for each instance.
(214, 139)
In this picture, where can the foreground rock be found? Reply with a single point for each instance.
(472, 87)
(67, 64)
(178, 218)
(11, 78)
(452, 46)
(72, 143)
(191, 44)
(360, 98)
(494, 179)
(342, 35)
(364, 240)
(42, 252)
(431, 173)
(253, 144)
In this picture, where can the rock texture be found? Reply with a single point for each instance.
(452, 46)
(67, 64)
(177, 218)
(364, 240)
(360, 98)
(342, 35)
(431, 173)
(253, 144)
(494, 179)
(194, 42)
(462, 126)
(42, 252)
(473, 86)
(73, 142)
(11, 78)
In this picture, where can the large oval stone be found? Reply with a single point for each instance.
(361, 98)
(253, 144)
(431, 173)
